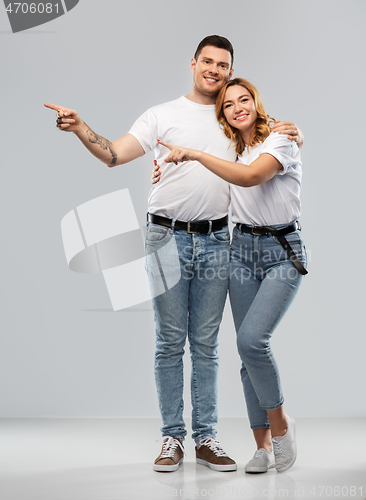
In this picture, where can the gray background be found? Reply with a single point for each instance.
(64, 352)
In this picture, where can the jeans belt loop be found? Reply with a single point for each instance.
(173, 224)
(209, 227)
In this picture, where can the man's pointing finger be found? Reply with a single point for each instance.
(54, 107)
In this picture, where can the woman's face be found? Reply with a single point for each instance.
(239, 109)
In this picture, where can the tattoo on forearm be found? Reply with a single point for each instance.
(103, 143)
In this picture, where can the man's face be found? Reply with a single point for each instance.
(212, 70)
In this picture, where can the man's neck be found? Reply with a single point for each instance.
(199, 98)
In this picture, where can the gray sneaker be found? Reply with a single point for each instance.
(262, 461)
(284, 447)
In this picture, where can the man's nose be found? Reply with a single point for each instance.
(214, 69)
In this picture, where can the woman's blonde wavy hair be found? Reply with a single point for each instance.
(263, 124)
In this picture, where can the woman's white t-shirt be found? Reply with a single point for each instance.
(276, 201)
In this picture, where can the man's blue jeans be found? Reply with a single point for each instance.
(263, 283)
(192, 308)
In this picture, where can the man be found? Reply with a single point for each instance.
(189, 207)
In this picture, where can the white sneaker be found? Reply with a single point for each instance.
(262, 461)
(284, 447)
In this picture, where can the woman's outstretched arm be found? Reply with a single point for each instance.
(259, 171)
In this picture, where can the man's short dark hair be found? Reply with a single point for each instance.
(215, 41)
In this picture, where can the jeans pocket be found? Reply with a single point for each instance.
(221, 236)
(292, 238)
(296, 242)
(157, 234)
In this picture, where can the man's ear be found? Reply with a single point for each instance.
(231, 73)
(193, 65)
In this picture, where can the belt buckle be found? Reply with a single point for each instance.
(189, 228)
(254, 233)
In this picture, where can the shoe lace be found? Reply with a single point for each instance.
(277, 446)
(214, 446)
(259, 453)
(170, 446)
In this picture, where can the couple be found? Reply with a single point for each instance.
(190, 203)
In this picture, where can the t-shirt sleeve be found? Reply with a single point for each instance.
(145, 130)
(284, 150)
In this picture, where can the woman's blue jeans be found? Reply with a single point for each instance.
(191, 308)
(263, 283)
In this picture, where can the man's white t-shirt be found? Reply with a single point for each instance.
(187, 191)
(276, 201)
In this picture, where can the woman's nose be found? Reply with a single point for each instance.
(237, 107)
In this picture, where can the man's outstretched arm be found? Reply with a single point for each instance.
(123, 150)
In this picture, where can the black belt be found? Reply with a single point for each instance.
(192, 226)
(280, 235)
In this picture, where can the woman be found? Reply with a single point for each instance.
(267, 257)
